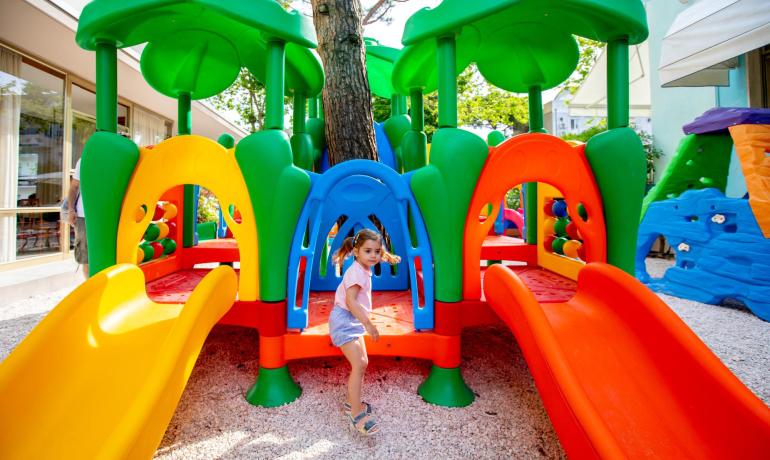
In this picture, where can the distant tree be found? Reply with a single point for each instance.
(589, 53)
(246, 97)
(380, 11)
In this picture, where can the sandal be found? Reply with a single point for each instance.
(364, 423)
(367, 407)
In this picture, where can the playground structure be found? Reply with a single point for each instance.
(287, 221)
(720, 244)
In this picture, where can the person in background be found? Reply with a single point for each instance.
(76, 216)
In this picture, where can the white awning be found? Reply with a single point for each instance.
(705, 39)
(591, 98)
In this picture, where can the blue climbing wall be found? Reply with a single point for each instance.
(720, 250)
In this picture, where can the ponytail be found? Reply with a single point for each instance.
(344, 251)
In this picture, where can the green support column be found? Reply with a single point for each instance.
(397, 105)
(617, 83)
(106, 87)
(184, 127)
(274, 85)
(530, 188)
(312, 107)
(298, 121)
(447, 82)
(418, 109)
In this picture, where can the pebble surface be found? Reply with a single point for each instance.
(507, 420)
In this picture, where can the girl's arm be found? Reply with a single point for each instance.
(359, 311)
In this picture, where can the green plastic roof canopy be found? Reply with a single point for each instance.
(198, 46)
(379, 67)
(516, 43)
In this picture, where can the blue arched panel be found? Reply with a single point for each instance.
(357, 189)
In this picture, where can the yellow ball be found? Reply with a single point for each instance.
(163, 228)
(548, 226)
(571, 248)
(169, 211)
(139, 256)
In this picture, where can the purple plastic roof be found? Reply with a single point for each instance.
(721, 118)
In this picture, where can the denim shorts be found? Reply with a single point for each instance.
(344, 327)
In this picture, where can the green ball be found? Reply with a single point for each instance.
(582, 211)
(169, 246)
(558, 245)
(560, 227)
(148, 252)
(152, 233)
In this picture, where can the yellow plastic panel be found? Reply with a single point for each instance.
(547, 259)
(101, 375)
(191, 160)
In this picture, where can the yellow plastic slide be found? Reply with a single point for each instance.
(101, 375)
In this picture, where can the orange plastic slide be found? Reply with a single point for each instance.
(621, 376)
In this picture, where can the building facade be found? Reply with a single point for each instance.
(47, 113)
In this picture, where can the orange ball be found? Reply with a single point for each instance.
(571, 248)
(139, 255)
(169, 210)
(139, 213)
(163, 229)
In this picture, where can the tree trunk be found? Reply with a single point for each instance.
(346, 96)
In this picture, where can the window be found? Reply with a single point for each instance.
(149, 129)
(31, 154)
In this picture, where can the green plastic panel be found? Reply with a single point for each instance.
(516, 43)
(619, 166)
(417, 66)
(443, 190)
(197, 43)
(379, 67)
(277, 190)
(395, 128)
(194, 62)
(596, 19)
(303, 151)
(700, 161)
(414, 148)
(105, 155)
(132, 22)
(315, 128)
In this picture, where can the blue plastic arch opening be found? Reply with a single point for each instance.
(357, 190)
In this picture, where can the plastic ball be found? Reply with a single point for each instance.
(171, 229)
(169, 246)
(559, 208)
(147, 250)
(158, 213)
(558, 245)
(140, 213)
(157, 249)
(169, 211)
(139, 255)
(582, 252)
(582, 211)
(548, 243)
(571, 248)
(152, 232)
(548, 207)
(548, 226)
(162, 229)
(560, 227)
(572, 231)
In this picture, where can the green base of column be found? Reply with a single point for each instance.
(273, 388)
(445, 387)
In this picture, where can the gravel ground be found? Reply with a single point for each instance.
(213, 420)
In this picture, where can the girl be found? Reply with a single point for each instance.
(350, 318)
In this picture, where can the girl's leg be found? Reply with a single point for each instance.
(355, 352)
